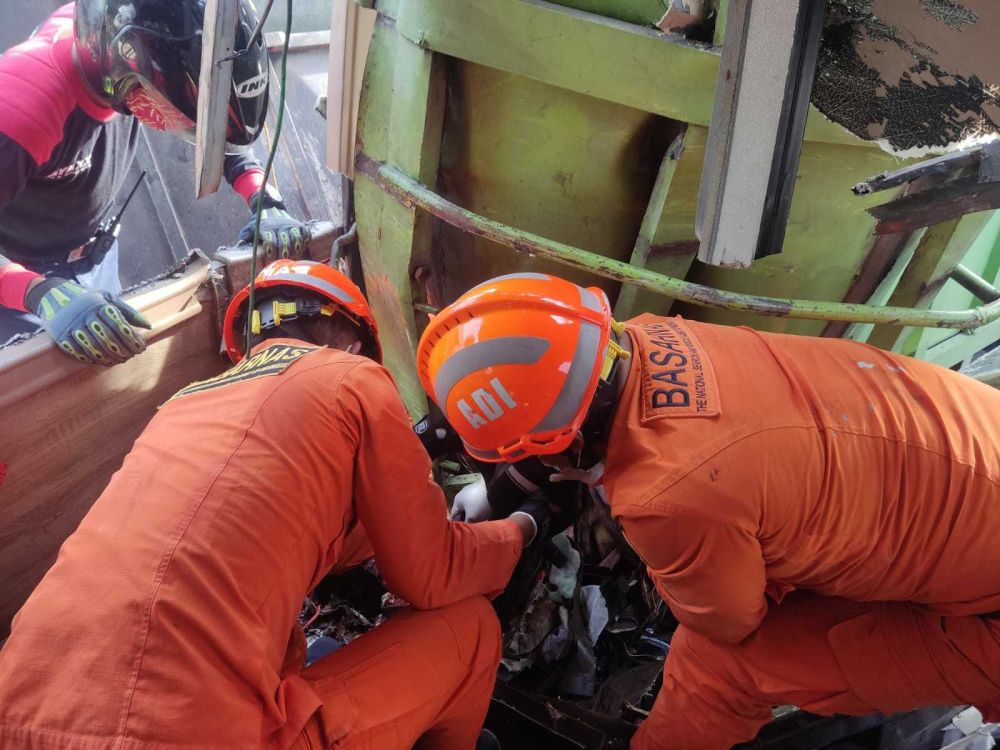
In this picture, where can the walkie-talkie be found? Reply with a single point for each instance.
(107, 234)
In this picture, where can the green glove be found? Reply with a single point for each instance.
(281, 234)
(93, 327)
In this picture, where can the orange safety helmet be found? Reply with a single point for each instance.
(316, 278)
(515, 362)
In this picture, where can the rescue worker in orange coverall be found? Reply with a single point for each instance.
(169, 619)
(821, 516)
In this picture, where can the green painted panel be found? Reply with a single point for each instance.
(828, 235)
(675, 244)
(546, 160)
(947, 347)
(942, 247)
(641, 12)
(402, 106)
(556, 122)
(604, 58)
(721, 14)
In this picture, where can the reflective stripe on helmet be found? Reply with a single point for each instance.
(574, 388)
(509, 277)
(590, 300)
(463, 352)
(510, 350)
(317, 283)
(581, 371)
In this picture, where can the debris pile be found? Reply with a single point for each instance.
(585, 633)
(345, 606)
(585, 636)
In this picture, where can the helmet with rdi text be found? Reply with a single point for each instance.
(289, 290)
(144, 58)
(518, 363)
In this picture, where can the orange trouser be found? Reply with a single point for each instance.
(827, 656)
(422, 679)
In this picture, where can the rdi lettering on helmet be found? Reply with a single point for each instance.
(514, 363)
(487, 405)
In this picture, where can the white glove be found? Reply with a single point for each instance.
(471, 504)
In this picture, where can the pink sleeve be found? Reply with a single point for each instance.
(14, 282)
(40, 87)
(249, 183)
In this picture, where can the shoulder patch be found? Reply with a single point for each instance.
(273, 360)
(677, 377)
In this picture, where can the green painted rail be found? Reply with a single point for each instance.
(412, 193)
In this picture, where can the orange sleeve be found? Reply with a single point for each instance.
(709, 571)
(425, 558)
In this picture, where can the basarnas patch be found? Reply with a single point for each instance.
(273, 360)
(677, 377)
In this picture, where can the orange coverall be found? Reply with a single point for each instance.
(169, 619)
(744, 466)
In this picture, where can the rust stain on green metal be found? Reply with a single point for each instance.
(942, 247)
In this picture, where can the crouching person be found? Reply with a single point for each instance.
(820, 516)
(170, 617)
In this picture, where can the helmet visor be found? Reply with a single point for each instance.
(156, 79)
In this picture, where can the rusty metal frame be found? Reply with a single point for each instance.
(413, 194)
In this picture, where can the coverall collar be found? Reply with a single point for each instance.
(287, 340)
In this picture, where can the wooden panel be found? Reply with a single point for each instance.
(351, 31)
(75, 424)
(215, 82)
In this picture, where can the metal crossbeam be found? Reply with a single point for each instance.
(415, 195)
